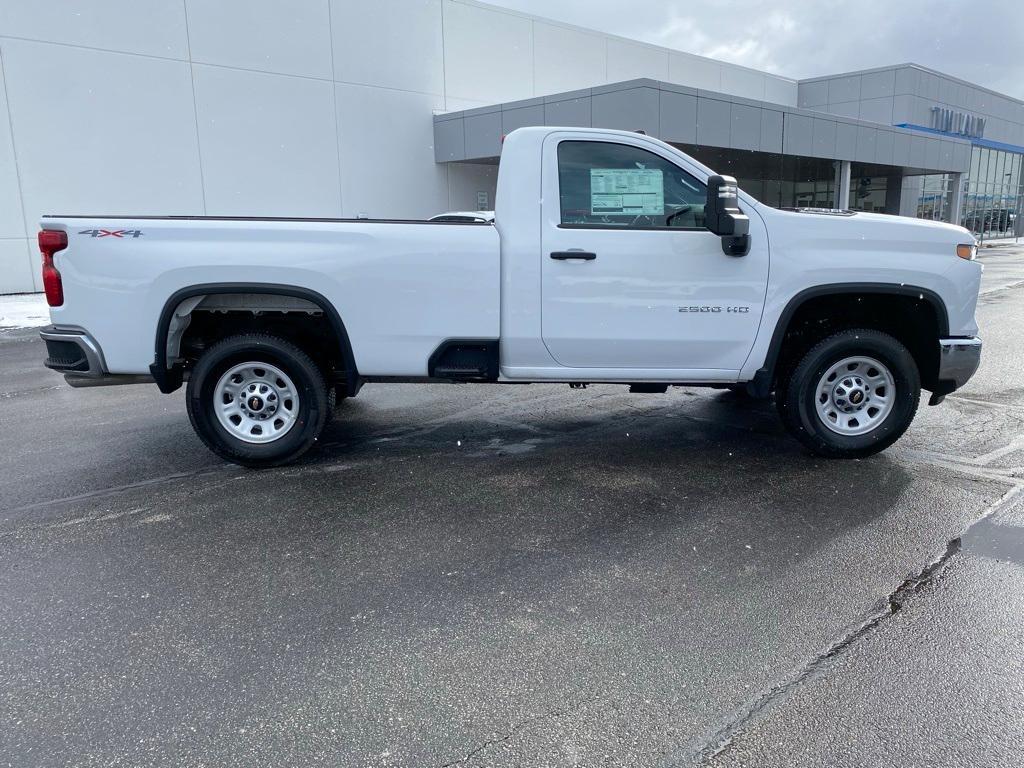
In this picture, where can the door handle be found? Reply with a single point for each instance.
(566, 255)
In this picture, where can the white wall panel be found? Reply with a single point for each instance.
(35, 264)
(12, 219)
(628, 61)
(292, 38)
(737, 81)
(488, 54)
(392, 43)
(151, 27)
(16, 267)
(98, 132)
(268, 144)
(386, 140)
(566, 59)
(694, 71)
(779, 90)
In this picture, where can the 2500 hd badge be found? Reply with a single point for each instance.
(713, 308)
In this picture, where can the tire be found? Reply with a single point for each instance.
(266, 373)
(852, 395)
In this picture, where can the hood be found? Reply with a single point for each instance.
(855, 230)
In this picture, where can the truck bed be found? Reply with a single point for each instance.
(401, 287)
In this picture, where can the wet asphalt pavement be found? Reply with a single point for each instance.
(497, 576)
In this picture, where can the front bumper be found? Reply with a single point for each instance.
(958, 361)
(72, 351)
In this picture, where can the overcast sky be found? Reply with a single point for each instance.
(978, 40)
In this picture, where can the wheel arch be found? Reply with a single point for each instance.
(764, 378)
(168, 379)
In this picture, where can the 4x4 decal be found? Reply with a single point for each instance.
(112, 232)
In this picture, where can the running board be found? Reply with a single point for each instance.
(465, 360)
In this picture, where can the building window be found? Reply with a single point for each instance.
(993, 194)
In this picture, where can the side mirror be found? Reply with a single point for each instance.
(723, 216)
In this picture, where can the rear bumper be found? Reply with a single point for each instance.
(958, 361)
(72, 351)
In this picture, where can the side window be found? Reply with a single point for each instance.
(603, 184)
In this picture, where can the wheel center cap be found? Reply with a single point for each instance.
(255, 403)
(856, 397)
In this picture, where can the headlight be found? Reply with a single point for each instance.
(968, 252)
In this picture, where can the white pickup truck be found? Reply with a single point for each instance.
(613, 257)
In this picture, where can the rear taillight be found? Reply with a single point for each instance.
(51, 241)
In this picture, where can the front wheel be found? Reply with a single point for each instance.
(852, 395)
(257, 400)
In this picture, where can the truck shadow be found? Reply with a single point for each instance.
(708, 467)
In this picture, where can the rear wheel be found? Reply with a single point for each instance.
(257, 400)
(852, 395)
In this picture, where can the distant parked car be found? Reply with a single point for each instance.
(465, 217)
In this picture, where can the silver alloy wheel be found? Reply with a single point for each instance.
(855, 395)
(256, 402)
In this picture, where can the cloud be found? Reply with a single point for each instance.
(978, 41)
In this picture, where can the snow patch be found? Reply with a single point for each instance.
(27, 310)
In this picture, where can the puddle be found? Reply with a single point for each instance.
(498, 447)
(995, 541)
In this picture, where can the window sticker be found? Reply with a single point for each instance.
(627, 191)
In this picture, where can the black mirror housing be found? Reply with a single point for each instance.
(723, 215)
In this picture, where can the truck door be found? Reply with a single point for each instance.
(630, 278)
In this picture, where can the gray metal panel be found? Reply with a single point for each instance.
(902, 108)
(486, 110)
(875, 85)
(846, 141)
(568, 96)
(900, 148)
(625, 85)
(813, 94)
(933, 154)
(865, 152)
(677, 88)
(906, 80)
(947, 155)
(918, 152)
(678, 117)
(745, 132)
(844, 89)
(883, 147)
(964, 161)
(483, 135)
(713, 118)
(771, 131)
(521, 117)
(633, 109)
(534, 102)
(920, 111)
(450, 140)
(877, 110)
(574, 113)
(845, 109)
(797, 134)
(948, 91)
(824, 139)
(928, 86)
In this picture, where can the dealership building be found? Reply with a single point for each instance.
(397, 108)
